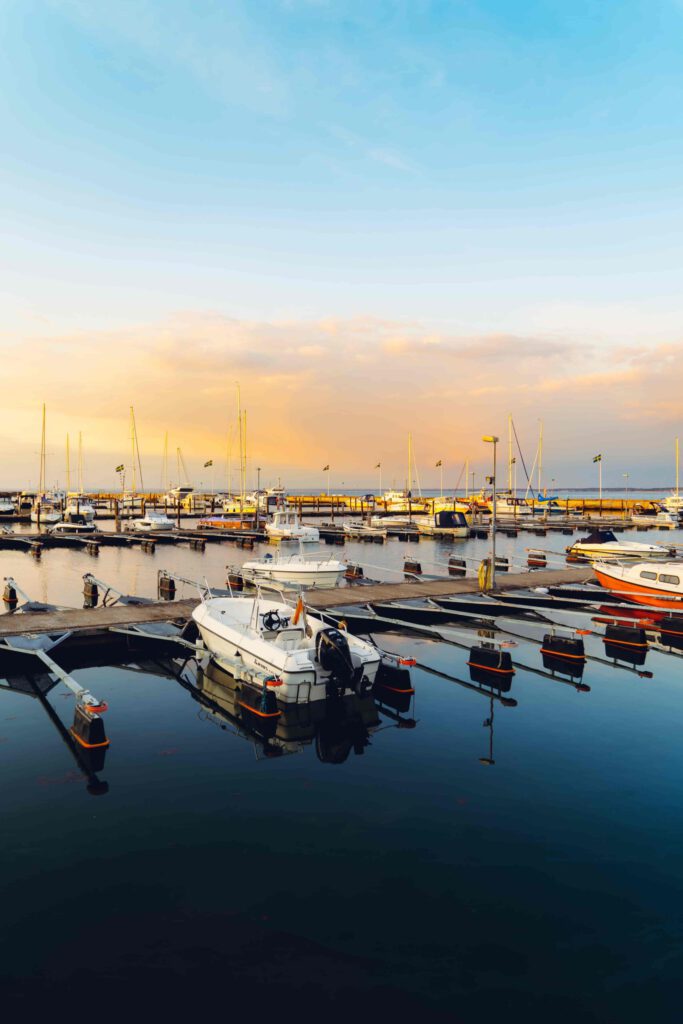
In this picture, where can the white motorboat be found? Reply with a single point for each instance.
(383, 521)
(288, 526)
(509, 506)
(445, 524)
(403, 501)
(70, 527)
(361, 530)
(304, 657)
(657, 518)
(179, 497)
(659, 584)
(153, 521)
(603, 545)
(674, 503)
(308, 572)
(6, 508)
(45, 511)
(79, 506)
(237, 506)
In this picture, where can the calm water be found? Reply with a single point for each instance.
(367, 861)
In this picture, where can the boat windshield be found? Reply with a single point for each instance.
(600, 537)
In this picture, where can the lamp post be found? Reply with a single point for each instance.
(491, 439)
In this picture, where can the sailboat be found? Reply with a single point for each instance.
(182, 495)
(78, 508)
(129, 498)
(674, 503)
(403, 501)
(45, 508)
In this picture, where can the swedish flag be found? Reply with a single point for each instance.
(597, 458)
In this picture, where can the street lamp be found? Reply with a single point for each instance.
(491, 439)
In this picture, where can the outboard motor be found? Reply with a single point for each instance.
(333, 653)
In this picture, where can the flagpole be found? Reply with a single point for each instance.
(600, 480)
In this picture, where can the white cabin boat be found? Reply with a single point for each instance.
(602, 544)
(305, 658)
(657, 584)
(78, 505)
(6, 508)
(674, 504)
(308, 572)
(45, 510)
(402, 501)
(288, 526)
(237, 506)
(152, 521)
(445, 524)
(657, 518)
(180, 497)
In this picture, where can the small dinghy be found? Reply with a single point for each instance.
(305, 658)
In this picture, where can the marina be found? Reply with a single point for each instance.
(341, 527)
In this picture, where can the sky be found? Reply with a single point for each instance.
(380, 218)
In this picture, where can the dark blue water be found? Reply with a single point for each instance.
(457, 860)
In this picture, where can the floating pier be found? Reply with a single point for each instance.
(90, 625)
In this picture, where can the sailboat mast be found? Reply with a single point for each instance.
(410, 463)
(467, 478)
(244, 488)
(68, 466)
(230, 460)
(42, 455)
(540, 454)
(136, 451)
(80, 463)
(676, 467)
(510, 452)
(241, 430)
(132, 448)
(164, 464)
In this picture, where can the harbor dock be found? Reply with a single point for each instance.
(90, 625)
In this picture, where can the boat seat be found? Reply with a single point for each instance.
(290, 638)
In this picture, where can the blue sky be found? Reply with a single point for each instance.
(480, 169)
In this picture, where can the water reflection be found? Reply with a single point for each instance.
(334, 727)
(89, 760)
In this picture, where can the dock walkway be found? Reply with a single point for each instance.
(99, 620)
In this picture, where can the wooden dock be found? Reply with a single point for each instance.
(91, 622)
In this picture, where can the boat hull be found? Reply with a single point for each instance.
(318, 578)
(637, 593)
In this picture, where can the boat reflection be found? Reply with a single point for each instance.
(335, 727)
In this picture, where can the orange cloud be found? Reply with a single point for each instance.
(340, 391)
